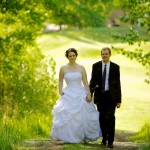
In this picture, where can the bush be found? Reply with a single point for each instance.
(144, 134)
(10, 135)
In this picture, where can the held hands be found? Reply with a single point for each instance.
(88, 98)
(61, 93)
(118, 105)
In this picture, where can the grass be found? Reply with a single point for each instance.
(144, 133)
(15, 131)
(89, 38)
(135, 110)
(143, 136)
(93, 146)
(10, 135)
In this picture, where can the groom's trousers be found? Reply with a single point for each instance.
(106, 108)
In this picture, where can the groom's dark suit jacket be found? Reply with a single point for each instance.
(114, 82)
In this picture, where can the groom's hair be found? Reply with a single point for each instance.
(106, 48)
(71, 50)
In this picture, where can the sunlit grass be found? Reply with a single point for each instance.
(14, 131)
(94, 145)
(87, 41)
(38, 125)
(144, 133)
(135, 109)
(10, 135)
(143, 136)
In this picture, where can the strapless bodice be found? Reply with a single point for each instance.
(73, 79)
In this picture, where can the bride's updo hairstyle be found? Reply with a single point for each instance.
(71, 50)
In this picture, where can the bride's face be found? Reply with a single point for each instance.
(72, 57)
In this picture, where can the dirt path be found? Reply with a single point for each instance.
(121, 143)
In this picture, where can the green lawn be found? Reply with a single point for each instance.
(135, 110)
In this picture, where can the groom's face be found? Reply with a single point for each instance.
(105, 56)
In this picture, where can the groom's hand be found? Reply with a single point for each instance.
(61, 93)
(88, 99)
(118, 105)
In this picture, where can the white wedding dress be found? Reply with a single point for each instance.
(74, 119)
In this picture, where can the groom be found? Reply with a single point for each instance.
(106, 87)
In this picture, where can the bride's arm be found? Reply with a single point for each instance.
(86, 85)
(60, 83)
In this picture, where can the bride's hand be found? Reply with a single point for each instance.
(88, 99)
(61, 93)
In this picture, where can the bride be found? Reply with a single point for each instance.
(75, 118)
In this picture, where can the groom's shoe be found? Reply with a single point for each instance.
(110, 145)
(103, 143)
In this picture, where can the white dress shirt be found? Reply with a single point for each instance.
(107, 74)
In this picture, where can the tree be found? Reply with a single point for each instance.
(26, 85)
(137, 14)
(76, 13)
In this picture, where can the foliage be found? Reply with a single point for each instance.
(14, 131)
(10, 136)
(145, 147)
(143, 136)
(76, 13)
(137, 16)
(27, 77)
(27, 83)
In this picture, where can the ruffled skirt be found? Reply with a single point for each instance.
(74, 119)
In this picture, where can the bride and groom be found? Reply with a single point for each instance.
(75, 117)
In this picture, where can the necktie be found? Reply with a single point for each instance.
(103, 79)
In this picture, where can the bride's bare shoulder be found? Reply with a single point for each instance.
(63, 68)
(81, 67)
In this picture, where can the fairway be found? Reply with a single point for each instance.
(135, 109)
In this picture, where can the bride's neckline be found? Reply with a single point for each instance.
(72, 72)
(72, 69)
